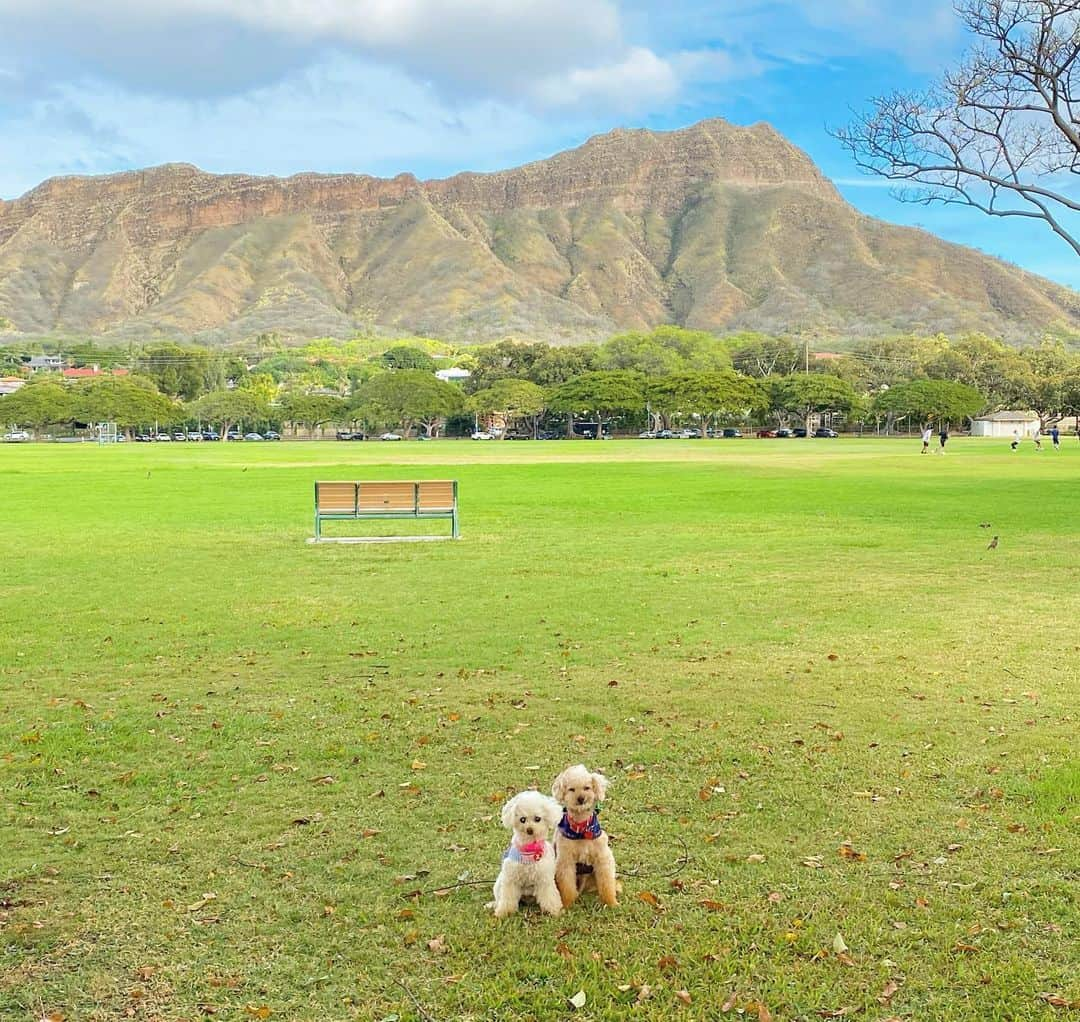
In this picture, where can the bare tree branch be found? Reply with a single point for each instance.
(1001, 131)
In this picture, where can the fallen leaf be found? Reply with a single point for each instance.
(668, 963)
(847, 852)
(965, 948)
(838, 1012)
(563, 951)
(649, 898)
(418, 764)
(684, 996)
(814, 862)
(887, 993)
(775, 897)
(437, 945)
(578, 1000)
(260, 1011)
(755, 858)
(325, 779)
(644, 992)
(713, 906)
(763, 1014)
(729, 1002)
(1057, 1001)
(838, 944)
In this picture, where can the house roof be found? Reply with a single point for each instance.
(1007, 417)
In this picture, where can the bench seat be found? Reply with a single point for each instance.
(359, 500)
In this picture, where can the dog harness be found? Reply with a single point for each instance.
(587, 831)
(533, 852)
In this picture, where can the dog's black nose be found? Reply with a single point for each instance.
(529, 831)
(581, 800)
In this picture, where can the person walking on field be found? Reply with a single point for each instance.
(1055, 438)
(1037, 437)
(943, 439)
(1015, 440)
(926, 435)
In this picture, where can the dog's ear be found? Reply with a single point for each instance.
(600, 783)
(553, 812)
(509, 811)
(558, 788)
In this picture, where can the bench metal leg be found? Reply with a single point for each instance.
(454, 521)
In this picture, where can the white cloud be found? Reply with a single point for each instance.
(641, 78)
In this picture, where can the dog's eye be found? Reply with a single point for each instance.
(573, 789)
(536, 819)
(521, 820)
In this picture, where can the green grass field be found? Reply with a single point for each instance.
(228, 758)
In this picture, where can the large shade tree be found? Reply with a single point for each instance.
(928, 402)
(127, 402)
(603, 394)
(36, 405)
(1000, 131)
(511, 400)
(808, 394)
(227, 408)
(706, 395)
(312, 410)
(408, 398)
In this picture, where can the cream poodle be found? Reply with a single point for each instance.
(582, 854)
(528, 866)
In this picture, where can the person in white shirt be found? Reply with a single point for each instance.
(1037, 437)
(1015, 440)
(926, 435)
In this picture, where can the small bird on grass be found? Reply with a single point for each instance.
(993, 544)
(984, 525)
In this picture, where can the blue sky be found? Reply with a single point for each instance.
(438, 86)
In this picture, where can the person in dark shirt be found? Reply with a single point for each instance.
(943, 439)
(1055, 438)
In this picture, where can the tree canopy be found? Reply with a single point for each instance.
(408, 397)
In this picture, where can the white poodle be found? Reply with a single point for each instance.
(528, 867)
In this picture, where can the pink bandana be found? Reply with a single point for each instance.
(533, 852)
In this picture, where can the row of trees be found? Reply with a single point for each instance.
(660, 378)
(414, 399)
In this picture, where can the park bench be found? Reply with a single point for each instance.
(359, 501)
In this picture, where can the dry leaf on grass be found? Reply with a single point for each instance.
(578, 1000)
(1057, 1001)
(650, 899)
(729, 1002)
(888, 992)
(684, 996)
(838, 944)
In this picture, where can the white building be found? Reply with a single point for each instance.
(1004, 424)
(453, 374)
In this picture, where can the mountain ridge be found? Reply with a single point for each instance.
(712, 226)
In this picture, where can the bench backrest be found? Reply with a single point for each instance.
(371, 497)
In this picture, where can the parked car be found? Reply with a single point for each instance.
(16, 436)
(766, 434)
(163, 438)
(649, 434)
(551, 434)
(783, 432)
(179, 436)
(194, 434)
(518, 436)
(800, 433)
(233, 434)
(143, 438)
(390, 436)
(343, 434)
(211, 434)
(271, 434)
(253, 436)
(482, 434)
(826, 433)
(731, 433)
(686, 434)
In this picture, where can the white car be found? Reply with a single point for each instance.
(16, 436)
(390, 436)
(483, 435)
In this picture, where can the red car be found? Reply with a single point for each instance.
(766, 434)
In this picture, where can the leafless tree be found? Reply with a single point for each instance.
(999, 132)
